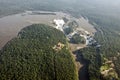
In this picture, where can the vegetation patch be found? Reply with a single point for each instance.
(30, 56)
(77, 39)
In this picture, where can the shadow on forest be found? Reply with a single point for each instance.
(83, 72)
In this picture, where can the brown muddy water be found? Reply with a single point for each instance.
(12, 24)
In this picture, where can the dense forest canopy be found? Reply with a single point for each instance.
(30, 56)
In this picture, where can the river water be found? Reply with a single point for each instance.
(12, 24)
